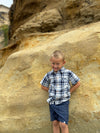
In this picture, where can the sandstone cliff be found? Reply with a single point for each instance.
(38, 27)
(23, 107)
(51, 15)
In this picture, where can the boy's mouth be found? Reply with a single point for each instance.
(55, 69)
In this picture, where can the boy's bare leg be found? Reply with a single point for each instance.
(56, 128)
(64, 127)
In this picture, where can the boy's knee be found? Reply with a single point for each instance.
(63, 125)
(55, 123)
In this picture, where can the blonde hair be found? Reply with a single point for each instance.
(58, 54)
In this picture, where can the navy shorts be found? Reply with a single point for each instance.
(60, 112)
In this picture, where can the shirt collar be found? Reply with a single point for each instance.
(61, 70)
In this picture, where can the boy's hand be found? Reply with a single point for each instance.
(44, 88)
(73, 88)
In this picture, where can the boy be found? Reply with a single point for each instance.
(56, 82)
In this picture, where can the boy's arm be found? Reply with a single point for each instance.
(74, 87)
(44, 88)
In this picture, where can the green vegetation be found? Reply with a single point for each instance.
(4, 29)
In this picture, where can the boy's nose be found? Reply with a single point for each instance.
(55, 65)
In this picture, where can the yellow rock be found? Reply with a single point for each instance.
(23, 106)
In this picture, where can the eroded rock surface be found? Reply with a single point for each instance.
(51, 15)
(23, 106)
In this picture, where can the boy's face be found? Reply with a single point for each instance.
(57, 64)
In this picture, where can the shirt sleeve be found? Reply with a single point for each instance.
(45, 81)
(73, 78)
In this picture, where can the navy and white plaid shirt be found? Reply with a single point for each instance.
(59, 85)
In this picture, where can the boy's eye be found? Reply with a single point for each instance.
(55, 63)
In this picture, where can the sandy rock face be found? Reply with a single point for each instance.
(23, 106)
(72, 13)
(45, 21)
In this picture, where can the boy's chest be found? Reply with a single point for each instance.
(59, 79)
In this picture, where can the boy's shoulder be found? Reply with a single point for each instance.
(50, 72)
(65, 70)
(69, 72)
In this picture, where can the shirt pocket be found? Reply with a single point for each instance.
(52, 81)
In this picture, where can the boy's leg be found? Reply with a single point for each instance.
(56, 128)
(53, 116)
(59, 115)
(64, 127)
